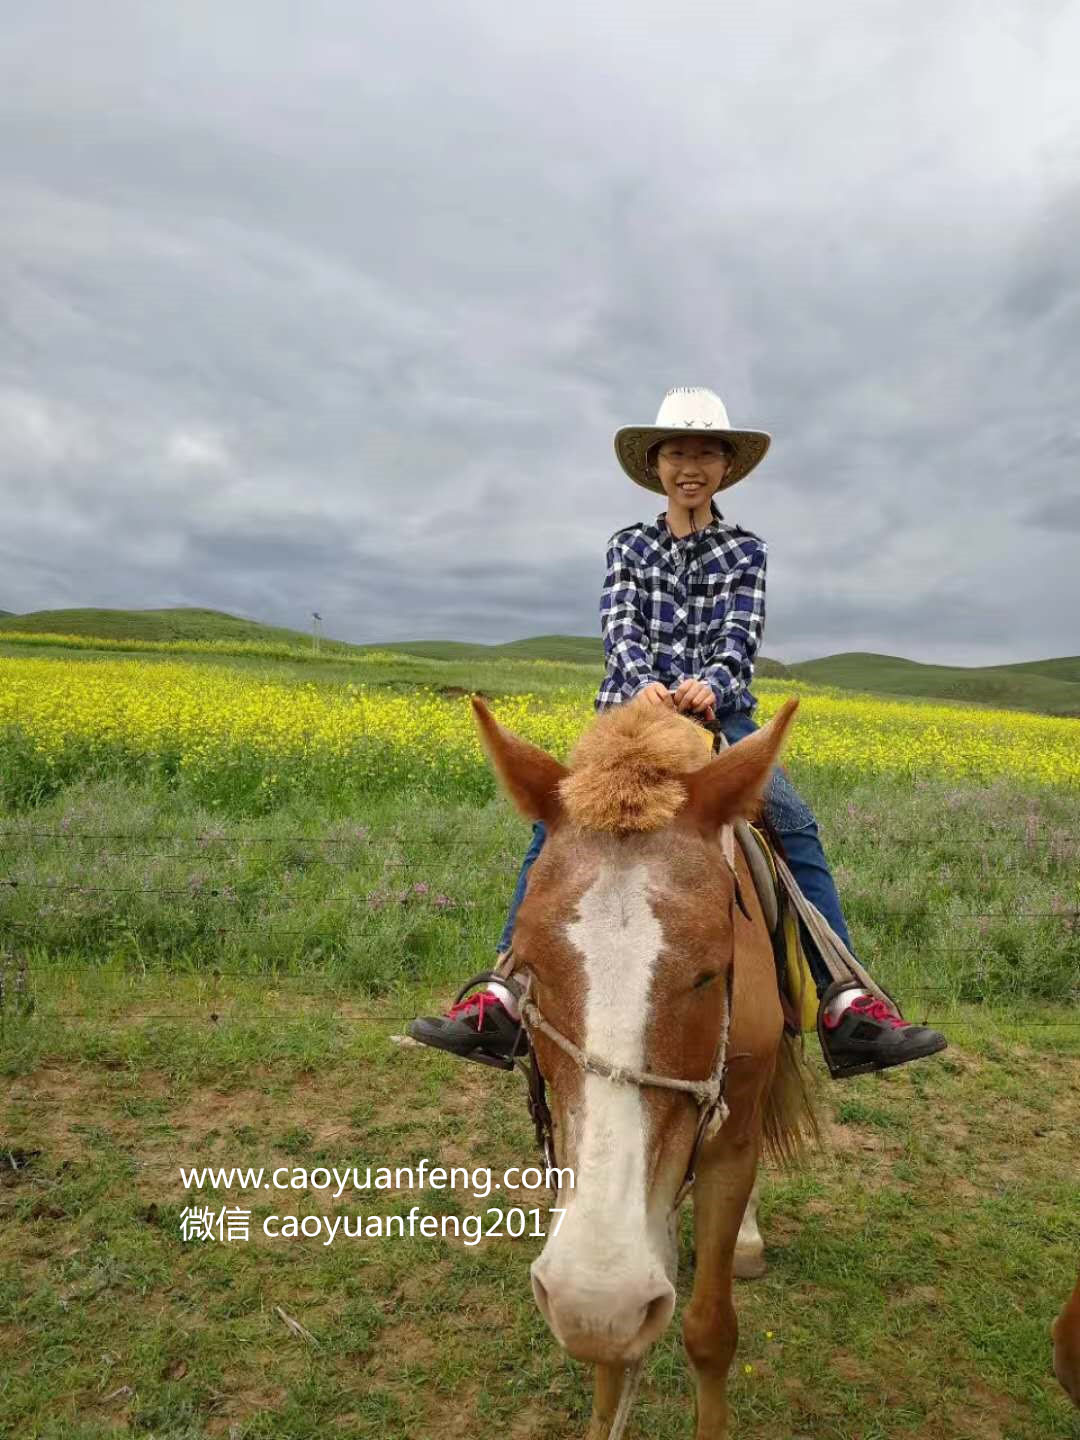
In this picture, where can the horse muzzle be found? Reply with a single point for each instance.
(603, 1318)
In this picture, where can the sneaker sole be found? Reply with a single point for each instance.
(479, 1053)
(867, 1067)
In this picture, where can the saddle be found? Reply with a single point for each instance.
(798, 994)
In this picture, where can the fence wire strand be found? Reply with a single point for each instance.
(356, 907)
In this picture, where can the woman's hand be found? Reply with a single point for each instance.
(656, 694)
(697, 696)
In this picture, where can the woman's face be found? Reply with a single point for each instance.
(691, 468)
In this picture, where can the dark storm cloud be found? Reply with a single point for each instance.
(1060, 514)
(339, 310)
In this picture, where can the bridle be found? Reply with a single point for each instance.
(708, 1094)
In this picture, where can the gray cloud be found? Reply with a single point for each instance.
(1060, 514)
(341, 311)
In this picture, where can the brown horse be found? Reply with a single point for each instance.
(638, 924)
(1065, 1334)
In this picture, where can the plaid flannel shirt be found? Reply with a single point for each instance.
(676, 608)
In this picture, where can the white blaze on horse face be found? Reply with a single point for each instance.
(620, 939)
(606, 1263)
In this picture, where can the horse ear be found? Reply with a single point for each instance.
(529, 775)
(730, 787)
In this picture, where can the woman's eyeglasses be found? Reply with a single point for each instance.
(704, 457)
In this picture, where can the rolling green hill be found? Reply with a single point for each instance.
(182, 623)
(1067, 668)
(191, 624)
(177, 624)
(1041, 685)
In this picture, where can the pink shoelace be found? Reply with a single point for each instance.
(878, 1010)
(478, 1002)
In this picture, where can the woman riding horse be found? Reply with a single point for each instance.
(682, 611)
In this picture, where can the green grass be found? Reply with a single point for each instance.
(201, 987)
(915, 1265)
(572, 649)
(979, 908)
(1051, 687)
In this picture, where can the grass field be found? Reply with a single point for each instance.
(213, 970)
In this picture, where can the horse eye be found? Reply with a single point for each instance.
(705, 978)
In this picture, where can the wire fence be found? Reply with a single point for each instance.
(198, 897)
(367, 837)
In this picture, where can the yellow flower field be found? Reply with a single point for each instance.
(228, 731)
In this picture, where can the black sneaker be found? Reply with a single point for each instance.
(870, 1035)
(479, 1028)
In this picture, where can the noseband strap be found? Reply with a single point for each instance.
(705, 1092)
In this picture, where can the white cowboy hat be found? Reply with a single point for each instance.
(689, 410)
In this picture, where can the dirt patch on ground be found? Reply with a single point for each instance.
(68, 1110)
(401, 1345)
(984, 1415)
(242, 1403)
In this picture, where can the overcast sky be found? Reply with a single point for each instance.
(338, 306)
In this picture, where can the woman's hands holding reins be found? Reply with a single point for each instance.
(689, 695)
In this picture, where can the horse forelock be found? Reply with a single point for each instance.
(625, 769)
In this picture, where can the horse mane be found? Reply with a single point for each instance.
(625, 768)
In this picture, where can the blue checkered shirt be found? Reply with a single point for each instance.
(676, 609)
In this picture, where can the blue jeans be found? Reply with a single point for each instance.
(793, 821)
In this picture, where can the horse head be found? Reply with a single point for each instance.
(627, 934)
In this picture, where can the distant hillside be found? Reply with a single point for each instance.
(575, 649)
(7, 612)
(572, 649)
(1043, 685)
(1067, 668)
(182, 623)
(176, 624)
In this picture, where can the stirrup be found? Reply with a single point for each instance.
(478, 1055)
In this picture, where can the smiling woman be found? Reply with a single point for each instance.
(690, 468)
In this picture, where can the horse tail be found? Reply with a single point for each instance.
(790, 1116)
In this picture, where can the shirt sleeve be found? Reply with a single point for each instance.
(626, 644)
(734, 633)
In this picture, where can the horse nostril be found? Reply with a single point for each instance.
(656, 1315)
(540, 1295)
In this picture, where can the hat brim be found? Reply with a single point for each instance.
(632, 442)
